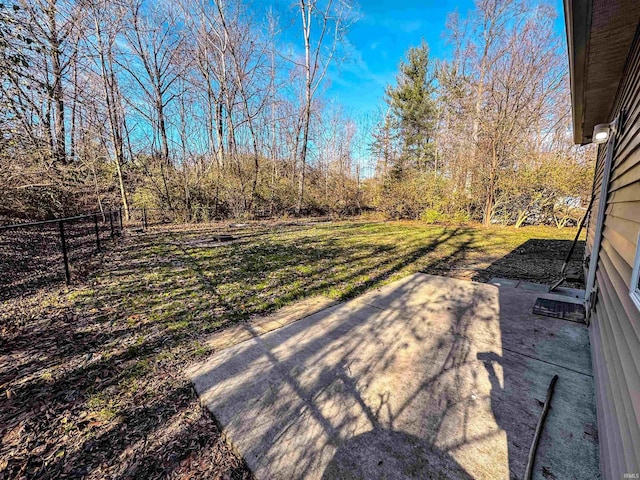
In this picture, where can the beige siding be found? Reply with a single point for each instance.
(615, 321)
(596, 192)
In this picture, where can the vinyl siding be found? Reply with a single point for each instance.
(596, 203)
(615, 320)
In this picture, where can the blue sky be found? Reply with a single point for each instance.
(380, 38)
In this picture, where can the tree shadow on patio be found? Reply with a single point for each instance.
(295, 411)
(382, 453)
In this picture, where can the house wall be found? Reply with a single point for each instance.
(615, 320)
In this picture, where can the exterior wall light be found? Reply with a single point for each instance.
(601, 133)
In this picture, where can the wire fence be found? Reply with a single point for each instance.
(158, 216)
(36, 254)
(200, 214)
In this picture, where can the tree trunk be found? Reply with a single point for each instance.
(60, 151)
(162, 128)
(522, 216)
(306, 23)
(490, 197)
(112, 114)
(303, 164)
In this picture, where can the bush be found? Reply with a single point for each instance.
(461, 217)
(431, 215)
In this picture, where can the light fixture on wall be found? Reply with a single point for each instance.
(601, 133)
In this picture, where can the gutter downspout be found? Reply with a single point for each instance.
(590, 288)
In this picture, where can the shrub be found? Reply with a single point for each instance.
(461, 217)
(431, 215)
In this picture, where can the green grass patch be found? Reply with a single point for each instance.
(101, 407)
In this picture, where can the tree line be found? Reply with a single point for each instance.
(486, 135)
(212, 109)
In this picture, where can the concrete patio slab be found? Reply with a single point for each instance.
(534, 287)
(504, 282)
(427, 377)
(537, 287)
(260, 325)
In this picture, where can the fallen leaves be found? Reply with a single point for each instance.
(84, 396)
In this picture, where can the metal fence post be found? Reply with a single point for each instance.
(120, 215)
(144, 217)
(95, 225)
(111, 222)
(63, 241)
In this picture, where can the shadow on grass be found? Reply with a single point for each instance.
(535, 260)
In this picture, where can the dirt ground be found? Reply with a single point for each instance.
(92, 376)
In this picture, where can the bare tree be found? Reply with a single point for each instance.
(330, 19)
(201, 107)
(104, 46)
(51, 24)
(151, 61)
